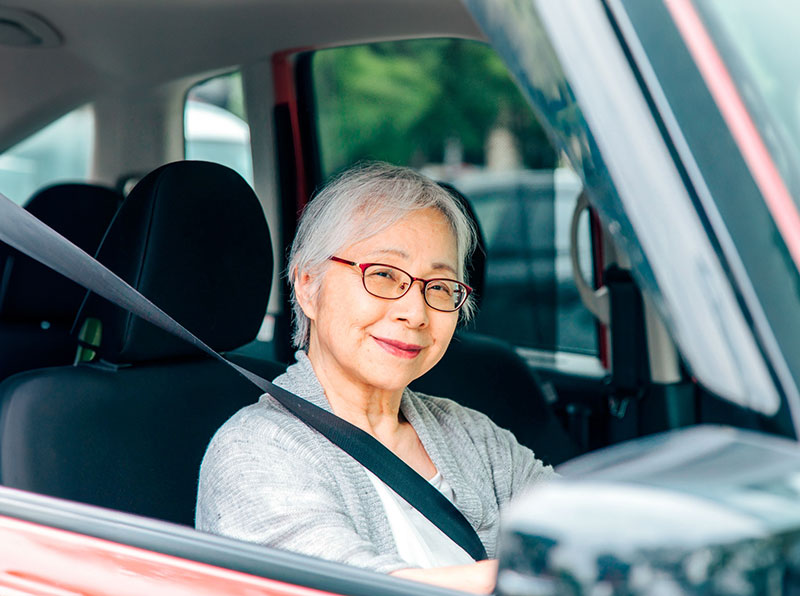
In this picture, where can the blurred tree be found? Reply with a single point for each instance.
(404, 101)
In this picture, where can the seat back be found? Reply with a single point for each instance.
(37, 305)
(487, 374)
(129, 430)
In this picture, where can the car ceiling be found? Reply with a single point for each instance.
(120, 46)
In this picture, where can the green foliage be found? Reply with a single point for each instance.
(402, 101)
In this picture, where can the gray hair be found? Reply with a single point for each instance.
(356, 205)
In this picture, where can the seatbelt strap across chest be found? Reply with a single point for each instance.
(22, 231)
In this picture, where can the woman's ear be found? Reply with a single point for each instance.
(305, 295)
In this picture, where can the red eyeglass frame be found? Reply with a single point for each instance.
(363, 267)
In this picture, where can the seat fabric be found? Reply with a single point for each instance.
(129, 439)
(129, 431)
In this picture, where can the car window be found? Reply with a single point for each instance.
(59, 152)
(450, 109)
(215, 124)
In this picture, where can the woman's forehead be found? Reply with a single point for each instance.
(425, 234)
(387, 253)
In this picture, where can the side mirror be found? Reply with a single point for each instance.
(706, 510)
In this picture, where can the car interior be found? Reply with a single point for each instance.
(99, 407)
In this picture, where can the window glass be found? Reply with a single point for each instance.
(215, 124)
(58, 152)
(450, 109)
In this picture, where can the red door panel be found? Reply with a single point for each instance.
(44, 561)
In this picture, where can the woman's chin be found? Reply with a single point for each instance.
(392, 377)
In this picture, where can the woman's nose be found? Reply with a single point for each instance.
(412, 307)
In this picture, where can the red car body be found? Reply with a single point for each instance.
(51, 547)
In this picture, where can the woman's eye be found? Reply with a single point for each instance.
(387, 274)
(440, 288)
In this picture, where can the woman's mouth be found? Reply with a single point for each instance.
(399, 348)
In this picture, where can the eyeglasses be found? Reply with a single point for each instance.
(391, 283)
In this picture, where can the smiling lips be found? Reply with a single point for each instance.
(398, 348)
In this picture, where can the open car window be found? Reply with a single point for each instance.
(450, 109)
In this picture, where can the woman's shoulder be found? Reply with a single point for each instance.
(461, 427)
(263, 427)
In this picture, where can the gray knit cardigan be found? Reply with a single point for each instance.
(270, 479)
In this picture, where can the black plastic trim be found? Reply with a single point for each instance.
(307, 111)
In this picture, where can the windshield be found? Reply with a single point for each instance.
(739, 112)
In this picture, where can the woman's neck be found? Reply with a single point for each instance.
(373, 410)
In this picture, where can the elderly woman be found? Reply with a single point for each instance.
(378, 277)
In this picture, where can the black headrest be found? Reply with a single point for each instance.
(476, 268)
(192, 237)
(32, 292)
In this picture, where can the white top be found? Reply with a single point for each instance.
(419, 542)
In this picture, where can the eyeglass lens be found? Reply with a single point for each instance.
(387, 282)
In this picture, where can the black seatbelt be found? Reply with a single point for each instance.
(23, 231)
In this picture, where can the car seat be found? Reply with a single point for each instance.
(128, 431)
(38, 305)
(487, 374)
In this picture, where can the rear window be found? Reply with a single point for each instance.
(215, 124)
(59, 152)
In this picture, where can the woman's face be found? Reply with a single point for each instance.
(377, 343)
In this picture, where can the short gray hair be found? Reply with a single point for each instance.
(357, 204)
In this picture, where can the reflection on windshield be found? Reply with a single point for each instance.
(757, 42)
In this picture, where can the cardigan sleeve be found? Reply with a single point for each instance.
(269, 488)
(525, 468)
